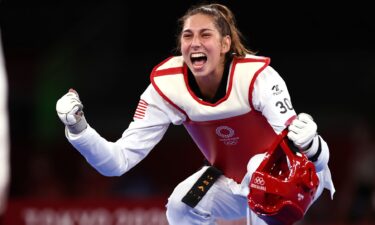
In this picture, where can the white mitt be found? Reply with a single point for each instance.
(302, 131)
(69, 109)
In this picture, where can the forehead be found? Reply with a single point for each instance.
(199, 22)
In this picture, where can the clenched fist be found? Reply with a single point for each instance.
(302, 130)
(69, 109)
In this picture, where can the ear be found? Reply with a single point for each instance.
(226, 44)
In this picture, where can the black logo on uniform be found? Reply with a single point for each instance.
(276, 90)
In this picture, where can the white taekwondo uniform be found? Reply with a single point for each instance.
(232, 134)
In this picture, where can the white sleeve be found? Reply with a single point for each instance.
(143, 133)
(4, 133)
(271, 98)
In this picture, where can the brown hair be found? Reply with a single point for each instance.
(224, 21)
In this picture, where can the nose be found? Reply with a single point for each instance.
(195, 42)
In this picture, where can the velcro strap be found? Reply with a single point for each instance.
(200, 188)
(315, 157)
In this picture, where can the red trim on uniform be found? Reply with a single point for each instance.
(183, 70)
(164, 61)
(200, 101)
(231, 77)
(266, 63)
(169, 71)
(156, 73)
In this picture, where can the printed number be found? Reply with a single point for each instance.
(284, 105)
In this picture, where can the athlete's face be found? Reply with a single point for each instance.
(202, 46)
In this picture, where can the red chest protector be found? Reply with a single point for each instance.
(228, 144)
(229, 132)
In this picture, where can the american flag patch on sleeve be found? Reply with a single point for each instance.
(141, 109)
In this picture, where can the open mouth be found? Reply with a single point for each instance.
(198, 59)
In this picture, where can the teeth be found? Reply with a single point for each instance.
(197, 55)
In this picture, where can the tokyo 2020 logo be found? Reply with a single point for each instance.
(227, 135)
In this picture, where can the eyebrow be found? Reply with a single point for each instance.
(202, 30)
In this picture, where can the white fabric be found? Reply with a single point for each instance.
(218, 203)
(270, 96)
(4, 133)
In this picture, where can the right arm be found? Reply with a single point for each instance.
(116, 158)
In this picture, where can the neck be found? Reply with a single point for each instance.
(208, 85)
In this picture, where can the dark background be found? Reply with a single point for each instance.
(106, 50)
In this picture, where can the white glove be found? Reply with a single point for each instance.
(302, 131)
(69, 109)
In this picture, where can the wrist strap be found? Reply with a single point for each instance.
(315, 157)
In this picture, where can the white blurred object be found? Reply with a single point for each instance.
(4, 134)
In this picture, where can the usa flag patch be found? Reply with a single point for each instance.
(141, 110)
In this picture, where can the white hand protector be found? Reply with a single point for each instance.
(302, 130)
(69, 109)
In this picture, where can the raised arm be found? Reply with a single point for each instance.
(115, 158)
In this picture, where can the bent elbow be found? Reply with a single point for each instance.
(110, 169)
(111, 173)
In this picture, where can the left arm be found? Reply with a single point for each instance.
(271, 97)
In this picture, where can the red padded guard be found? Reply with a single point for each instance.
(283, 186)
